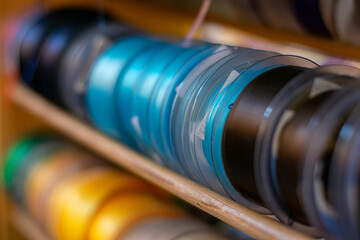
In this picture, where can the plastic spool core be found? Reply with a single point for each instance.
(317, 160)
(198, 96)
(209, 113)
(313, 83)
(243, 123)
(178, 109)
(345, 176)
(291, 140)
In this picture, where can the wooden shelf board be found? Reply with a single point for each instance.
(169, 19)
(325, 45)
(252, 223)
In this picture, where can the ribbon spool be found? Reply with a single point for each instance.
(74, 203)
(309, 14)
(126, 90)
(14, 33)
(279, 15)
(187, 93)
(327, 8)
(33, 39)
(123, 211)
(200, 235)
(163, 93)
(344, 177)
(30, 45)
(78, 60)
(204, 125)
(45, 177)
(238, 127)
(178, 111)
(128, 82)
(161, 228)
(346, 21)
(139, 76)
(54, 47)
(198, 108)
(16, 155)
(191, 69)
(36, 156)
(144, 87)
(197, 111)
(315, 189)
(301, 118)
(163, 96)
(243, 123)
(306, 86)
(100, 94)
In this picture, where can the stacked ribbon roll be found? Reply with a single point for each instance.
(242, 122)
(74, 195)
(335, 19)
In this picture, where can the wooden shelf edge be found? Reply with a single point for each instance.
(322, 44)
(248, 221)
(155, 13)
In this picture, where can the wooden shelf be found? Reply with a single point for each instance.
(322, 44)
(252, 223)
(150, 15)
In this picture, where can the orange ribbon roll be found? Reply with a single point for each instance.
(123, 211)
(74, 203)
(44, 177)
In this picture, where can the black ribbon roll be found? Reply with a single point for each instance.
(54, 47)
(291, 142)
(344, 177)
(309, 14)
(242, 126)
(313, 186)
(32, 43)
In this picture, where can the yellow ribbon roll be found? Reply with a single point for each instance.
(201, 235)
(74, 203)
(51, 172)
(123, 211)
(64, 192)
